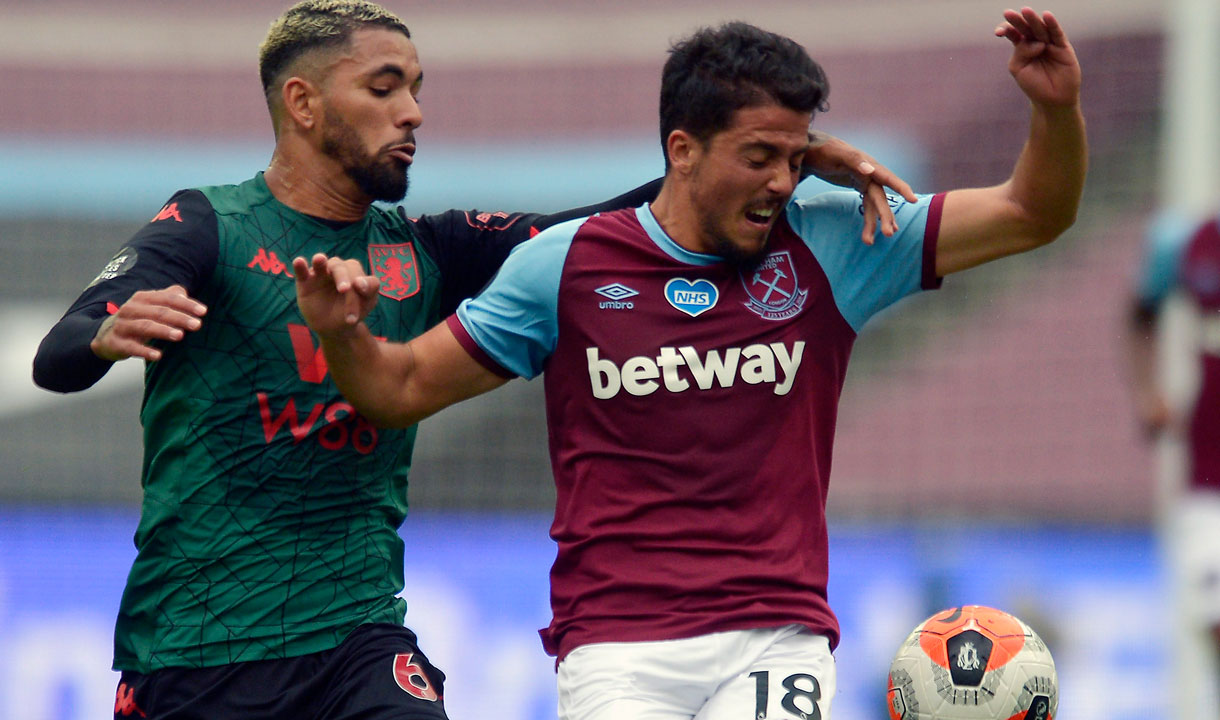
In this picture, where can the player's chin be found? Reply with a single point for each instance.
(745, 252)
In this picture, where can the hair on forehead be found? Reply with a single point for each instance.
(314, 25)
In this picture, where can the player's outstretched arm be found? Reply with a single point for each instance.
(1039, 201)
(837, 162)
(391, 384)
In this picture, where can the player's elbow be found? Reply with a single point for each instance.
(1046, 225)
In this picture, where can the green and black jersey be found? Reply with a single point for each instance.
(269, 525)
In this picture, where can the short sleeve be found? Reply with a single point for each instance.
(866, 279)
(515, 319)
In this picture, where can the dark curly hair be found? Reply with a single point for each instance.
(717, 71)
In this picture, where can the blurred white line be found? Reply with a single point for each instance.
(26, 324)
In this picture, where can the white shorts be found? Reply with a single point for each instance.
(776, 673)
(1195, 543)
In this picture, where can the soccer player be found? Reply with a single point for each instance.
(269, 563)
(694, 349)
(1185, 256)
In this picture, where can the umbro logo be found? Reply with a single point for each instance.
(616, 295)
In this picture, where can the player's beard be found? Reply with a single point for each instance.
(377, 177)
(731, 252)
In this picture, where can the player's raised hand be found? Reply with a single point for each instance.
(840, 163)
(1043, 61)
(334, 294)
(166, 314)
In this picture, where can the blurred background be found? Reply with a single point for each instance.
(986, 453)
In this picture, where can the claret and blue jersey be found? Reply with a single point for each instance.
(1183, 256)
(691, 406)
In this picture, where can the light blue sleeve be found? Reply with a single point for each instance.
(514, 320)
(1165, 241)
(864, 279)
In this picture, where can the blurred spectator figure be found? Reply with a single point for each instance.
(1182, 257)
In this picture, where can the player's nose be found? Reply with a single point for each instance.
(408, 113)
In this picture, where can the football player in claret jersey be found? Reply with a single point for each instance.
(269, 562)
(1184, 256)
(694, 350)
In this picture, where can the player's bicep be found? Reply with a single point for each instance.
(979, 225)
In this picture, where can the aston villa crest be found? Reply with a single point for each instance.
(773, 289)
(395, 267)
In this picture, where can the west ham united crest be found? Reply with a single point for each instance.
(773, 288)
(395, 267)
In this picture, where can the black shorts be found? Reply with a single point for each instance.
(376, 673)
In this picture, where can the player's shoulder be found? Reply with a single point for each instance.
(554, 240)
(237, 198)
(826, 201)
(185, 210)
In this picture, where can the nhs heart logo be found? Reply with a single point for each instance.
(692, 298)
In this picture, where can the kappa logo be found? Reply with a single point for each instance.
(395, 267)
(269, 262)
(693, 298)
(616, 295)
(168, 212)
(125, 702)
(772, 288)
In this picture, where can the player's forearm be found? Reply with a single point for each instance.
(370, 374)
(64, 362)
(1048, 180)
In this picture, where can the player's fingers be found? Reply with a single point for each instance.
(881, 175)
(1054, 31)
(1037, 26)
(341, 272)
(1018, 21)
(176, 297)
(165, 326)
(869, 233)
(352, 307)
(367, 286)
(120, 349)
(301, 269)
(320, 265)
(171, 311)
(1008, 33)
(885, 213)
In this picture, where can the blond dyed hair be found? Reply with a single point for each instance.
(314, 25)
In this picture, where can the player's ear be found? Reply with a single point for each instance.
(683, 150)
(301, 102)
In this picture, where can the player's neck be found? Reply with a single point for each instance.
(676, 215)
(318, 187)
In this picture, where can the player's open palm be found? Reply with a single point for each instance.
(334, 294)
(1043, 61)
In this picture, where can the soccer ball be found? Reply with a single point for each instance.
(973, 663)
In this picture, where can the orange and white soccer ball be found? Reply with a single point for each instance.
(973, 663)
